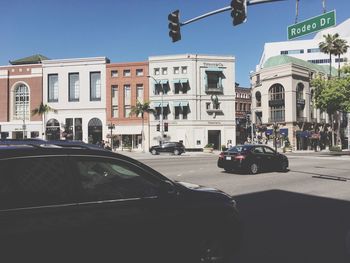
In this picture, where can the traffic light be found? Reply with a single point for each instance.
(174, 26)
(166, 126)
(239, 11)
(158, 127)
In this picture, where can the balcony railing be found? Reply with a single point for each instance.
(217, 89)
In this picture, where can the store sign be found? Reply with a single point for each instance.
(312, 25)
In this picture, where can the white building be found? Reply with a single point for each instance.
(308, 50)
(198, 101)
(76, 89)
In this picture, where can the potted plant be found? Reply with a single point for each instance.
(208, 148)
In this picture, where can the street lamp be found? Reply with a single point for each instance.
(111, 127)
(161, 107)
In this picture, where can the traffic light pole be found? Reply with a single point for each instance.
(224, 9)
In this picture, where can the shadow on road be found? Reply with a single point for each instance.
(283, 227)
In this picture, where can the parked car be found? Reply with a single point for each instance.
(252, 159)
(92, 205)
(176, 148)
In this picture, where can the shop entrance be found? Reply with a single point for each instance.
(214, 137)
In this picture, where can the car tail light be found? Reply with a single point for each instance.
(240, 157)
(221, 155)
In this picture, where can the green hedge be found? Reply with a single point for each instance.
(335, 149)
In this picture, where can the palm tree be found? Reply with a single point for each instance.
(141, 109)
(327, 47)
(42, 110)
(340, 47)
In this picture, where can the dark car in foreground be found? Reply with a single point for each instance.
(176, 148)
(81, 204)
(252, 159)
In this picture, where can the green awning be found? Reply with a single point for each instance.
(177, 103)
(184, 103)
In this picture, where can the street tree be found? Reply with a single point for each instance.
(340, 48)
(333, 97)
(327, 47)
(42, 111)
(141, 109)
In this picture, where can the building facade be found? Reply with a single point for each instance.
(21, 92)
(76, 89)
(196, 95)
(308, 50)
(282, 104)
(243, 111)
(127, 84)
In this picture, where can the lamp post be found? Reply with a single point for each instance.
(111, 126)
(275, 131)
(161, 107)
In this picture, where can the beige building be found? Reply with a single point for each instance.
(282, 99)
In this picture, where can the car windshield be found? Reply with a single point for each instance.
(238, 149)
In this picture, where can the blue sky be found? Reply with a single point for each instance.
(133, 30)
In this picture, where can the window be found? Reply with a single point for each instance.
(52, 88)
(139, 72)
(207, 105)
(115, 103)
(21, 103)
(177, 87)
(185, 111)
(95, 86)
(35, 181)
(156, 71)
(177, 112)
(258, 98)
(127, 95)
(269, 150)
(78, 129)
(313, 50)
(164, 71)
(176, 70)
(214, 81)
(74, 87)
(114, 73)
(319, 61)
(296, 51)
(127, 111)
(109, 180)
(276, 103)
(184, 70)
(126, 73)
(139, 93)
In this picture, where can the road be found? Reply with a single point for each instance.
(296, 216)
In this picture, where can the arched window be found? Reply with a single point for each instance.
(258, 98)
(21, 103)
(276, 103)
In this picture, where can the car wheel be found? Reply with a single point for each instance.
(253, 168)
(176, 152)
(284, 167)
(154, 152)
(211, 250)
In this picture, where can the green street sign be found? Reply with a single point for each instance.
(312, 25)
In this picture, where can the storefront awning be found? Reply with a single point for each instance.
(305, 134)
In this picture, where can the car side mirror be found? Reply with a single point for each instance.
(168, 188)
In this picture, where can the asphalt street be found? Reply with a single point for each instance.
(299, 216)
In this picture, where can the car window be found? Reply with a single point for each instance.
(269, 150)
(258, 150)
(36, 181)
(238, 149)
(108, 179)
